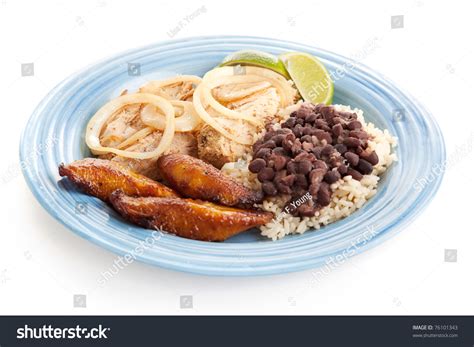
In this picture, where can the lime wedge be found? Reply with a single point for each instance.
(310, 77)
(256, 58)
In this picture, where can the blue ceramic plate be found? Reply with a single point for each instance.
(57, 128)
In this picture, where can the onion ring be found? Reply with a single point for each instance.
(188, 121)
(96, 123)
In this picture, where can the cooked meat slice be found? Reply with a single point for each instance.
(262, 104)
(121, 126)
(175, 91)
(184, 143)
(99, 177)
(193, 219)
(193, 178)
(216, 149)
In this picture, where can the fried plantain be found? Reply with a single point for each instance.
(100, 177)
(197, 179)
(192, 219)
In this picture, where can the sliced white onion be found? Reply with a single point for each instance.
(97, 122)
(140, 134)
(285, 90)
(227, 112)
(188, 121)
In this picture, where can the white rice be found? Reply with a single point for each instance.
(348, 194)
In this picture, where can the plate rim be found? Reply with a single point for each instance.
(120, 250)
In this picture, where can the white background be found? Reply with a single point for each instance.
(42, 264)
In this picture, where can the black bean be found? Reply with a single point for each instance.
(332, 176)
(316, 176)
(279, 151)
(324, 194)
(342, 169)
(269, 188)
(307, 130)
(279, 175)
(327, 150)
(351, 142)
(287, 144)
(256, 165)
(278, 139)
(268, 144)
(317, 152)
(319, 164)
(291, 167)
(288, 180)
(348, 115)
(364, 167)
(320, 123)
(313, 189)
(359, 134)
(266, 174)
(304, 167)
(304, 111)
(268, 135)
(289, 123)
(352, 158)
(306, 211)
(262, 152)
(297, 130)
(311, 118)
(283, 188)
(354, 173)
(279, 162)
(296, 147)
(307, 146)
(371, 157)
(257, 145)
(300, 180)
(337, 129)
(328, 113)
(355, 124)
(335, 160)
(302, 156)
(341, 148)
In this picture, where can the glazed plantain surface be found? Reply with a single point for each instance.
(196, 179)
(100, 177)
(193, 219)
